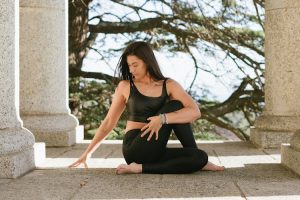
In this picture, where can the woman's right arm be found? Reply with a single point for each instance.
(116, 109)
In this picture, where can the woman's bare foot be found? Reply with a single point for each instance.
(132, 168)
(212, 167)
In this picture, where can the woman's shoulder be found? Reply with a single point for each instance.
(123, 89)
(171, 82)
(172, 86)
(123, 83)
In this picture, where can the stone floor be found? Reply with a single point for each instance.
(250, 174)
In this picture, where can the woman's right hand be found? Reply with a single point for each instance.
(152, 127)
(80, 160)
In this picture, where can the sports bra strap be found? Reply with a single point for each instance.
(132, 85)
(141, 107)
(165, 85)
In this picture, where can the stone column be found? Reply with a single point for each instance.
(281, 116)
(16, 142)
(290, 153)
(44, 72)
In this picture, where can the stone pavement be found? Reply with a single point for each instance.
(250, 174)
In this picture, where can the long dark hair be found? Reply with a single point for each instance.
(143, 51)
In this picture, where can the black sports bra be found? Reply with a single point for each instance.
(140, 107)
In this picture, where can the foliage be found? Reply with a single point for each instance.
(92, 100)
(230, 32)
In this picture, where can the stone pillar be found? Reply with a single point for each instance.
(290, 153)
(16, 142)
(281, 116)
(44, 72)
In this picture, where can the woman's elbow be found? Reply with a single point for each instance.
(197, 114)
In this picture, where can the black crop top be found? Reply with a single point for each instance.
(140, 107)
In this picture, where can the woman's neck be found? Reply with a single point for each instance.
(147, 80)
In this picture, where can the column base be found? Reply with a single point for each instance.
(269, 139)
(290, 158)
(16, 152)
(290, 153)
(54, 130)
(15, 165)
(271, 131)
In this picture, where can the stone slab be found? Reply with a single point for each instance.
(53, 4)
(52, 129)
(53, 152)
(290, 158)
(241, 161)
(281, 4)
(14, 140)
(5, 181)
(256, 179)
(269, 139)
(271, 189)
(295, 141)
(17, 164)
(278, 123)
(96, 163)
(233, 148)
(42, 184)
(229, 154)
(277, 197)
(157, 186)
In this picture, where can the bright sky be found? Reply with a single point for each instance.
(179, 67)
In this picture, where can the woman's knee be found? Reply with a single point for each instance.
(202, 158)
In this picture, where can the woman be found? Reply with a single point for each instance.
(156, 106)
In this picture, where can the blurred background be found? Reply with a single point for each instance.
(213, 48)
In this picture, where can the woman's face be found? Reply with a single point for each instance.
(137, 67)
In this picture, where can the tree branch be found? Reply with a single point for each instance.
(128, 27)
(240, 134)
(74, 72)
(158, 22)
(237, 99)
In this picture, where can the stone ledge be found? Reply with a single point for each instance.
(277, 123)
(251, 174)
(269, 139)
(15, 140)
(16, 164)
(281, 4)
(53, 129)
(56, 4)
(290, 158)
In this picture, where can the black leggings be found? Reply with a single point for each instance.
(155, 157)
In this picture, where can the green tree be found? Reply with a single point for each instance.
(221, 29)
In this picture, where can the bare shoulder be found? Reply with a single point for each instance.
(172, 84)
(123, 84)
(173, 87)
(123, 89)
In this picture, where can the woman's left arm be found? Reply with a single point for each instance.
(187, 114)
(190, 111)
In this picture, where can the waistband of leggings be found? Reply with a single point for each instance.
(133, 131)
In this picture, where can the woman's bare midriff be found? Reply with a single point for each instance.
(130, 125)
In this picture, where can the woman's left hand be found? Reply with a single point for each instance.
(152, 127)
